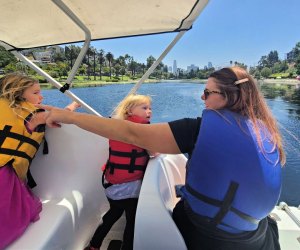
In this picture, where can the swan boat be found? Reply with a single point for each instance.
(68, 181)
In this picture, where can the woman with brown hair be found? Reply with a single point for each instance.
(233, 177)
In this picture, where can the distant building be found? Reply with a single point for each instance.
(170, 69)
(192, 67)
(175, 68)
(55, 49)
(209, 65)
(43, 54)
(43, 57)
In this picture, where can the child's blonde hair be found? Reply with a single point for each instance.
(12, 87)
(131, 101)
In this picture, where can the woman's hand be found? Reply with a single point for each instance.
(36, 119)
(55, 116)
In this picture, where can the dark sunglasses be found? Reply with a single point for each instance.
(207, 92)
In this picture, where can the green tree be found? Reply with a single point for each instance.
(11, 67)
(59, 57)
(276, 68)
(272, 58)
(6, 57)
(150, 61)
(297, 65)
(71, 53)
(263, 62)
(109, 57)
(117, 69)
(62, 69)
(101, 62)
(132, 66)
(82, 69)
(94, 51)
(122, 71)
(266, 72)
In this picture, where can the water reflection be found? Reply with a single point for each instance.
(284, 101)
(290, 93)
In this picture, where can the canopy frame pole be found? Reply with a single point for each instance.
(76, 65)
(154, 65)
(157, 62)
(50, 79)
(87, 41)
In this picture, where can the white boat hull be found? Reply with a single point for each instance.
(69, 184)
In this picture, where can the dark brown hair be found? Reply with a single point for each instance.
(245, 98)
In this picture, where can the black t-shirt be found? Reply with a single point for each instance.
(185, 132)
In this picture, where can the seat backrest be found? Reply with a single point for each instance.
(154, 226)
(69, 184)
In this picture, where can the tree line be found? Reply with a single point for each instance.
(270, 66)
(101, 65)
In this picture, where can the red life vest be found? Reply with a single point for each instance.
(126, 162)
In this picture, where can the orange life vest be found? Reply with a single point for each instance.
(17, 145)
(126, 162)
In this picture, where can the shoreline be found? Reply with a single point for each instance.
(200, 81)
(279, 81)
(99, 83)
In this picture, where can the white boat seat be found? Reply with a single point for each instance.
(289, 231)
(154, 226)
(69, 184)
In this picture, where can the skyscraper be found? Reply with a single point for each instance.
(175, 67)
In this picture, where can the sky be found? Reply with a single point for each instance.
(226, 30)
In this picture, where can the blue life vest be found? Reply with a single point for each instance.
(231, 181)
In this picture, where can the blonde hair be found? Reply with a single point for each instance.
(12, 87)
(243, 97)
(131, 101)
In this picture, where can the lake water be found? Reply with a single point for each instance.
(177, 100)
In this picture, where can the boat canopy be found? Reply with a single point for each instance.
(31, 23)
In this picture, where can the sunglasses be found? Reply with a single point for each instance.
(207, 92)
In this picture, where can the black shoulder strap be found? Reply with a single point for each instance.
(30, 181)
(105, 185)
(225, 205)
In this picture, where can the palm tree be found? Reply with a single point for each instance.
(88, 62)
(132, 66)
(109, 57)
(101, 62)
(94, 50)
(143, 66)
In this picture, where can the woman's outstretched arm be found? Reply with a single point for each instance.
(153, 137)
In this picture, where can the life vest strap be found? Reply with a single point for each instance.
(5, 133)
(131, 167)
(113, 166)
(225, 206)
(128, 154)
(30, 180)
(105, 184)
(13, 152)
